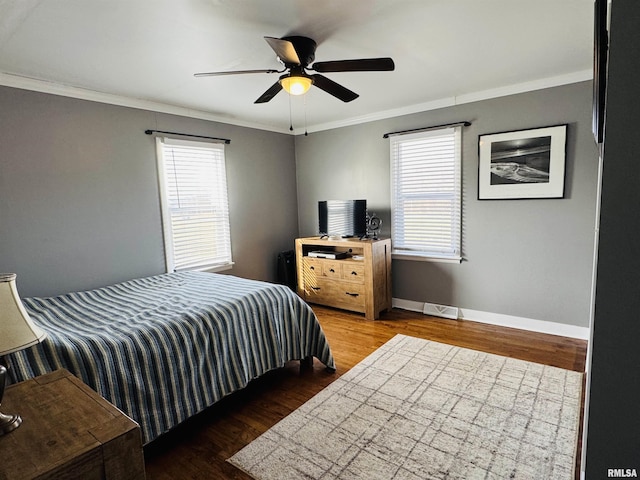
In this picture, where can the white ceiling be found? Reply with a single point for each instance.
(144, 53)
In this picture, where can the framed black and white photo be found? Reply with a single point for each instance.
(522, 164)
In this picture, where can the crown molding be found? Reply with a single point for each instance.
(540, 84)
(42, 86)
(27, 83)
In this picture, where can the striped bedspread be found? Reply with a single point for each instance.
(166, 347)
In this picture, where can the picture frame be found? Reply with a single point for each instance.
(522, 164)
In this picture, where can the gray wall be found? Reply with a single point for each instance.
(79, 203)
(525, 258)
(613, 432)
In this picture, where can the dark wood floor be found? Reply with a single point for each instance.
(198, 449)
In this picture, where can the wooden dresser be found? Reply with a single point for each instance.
(360, 282)
(68, 431)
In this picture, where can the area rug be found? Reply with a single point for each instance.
(417, 409)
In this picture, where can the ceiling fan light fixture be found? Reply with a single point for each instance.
(296, 84)
(296, 54)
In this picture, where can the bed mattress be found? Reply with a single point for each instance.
(164, 348)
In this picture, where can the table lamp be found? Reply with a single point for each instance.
(17, 331)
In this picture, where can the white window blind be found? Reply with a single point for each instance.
(426, 193)
(195, 207)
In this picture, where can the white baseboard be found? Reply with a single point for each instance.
(408, 305)
(532, 325)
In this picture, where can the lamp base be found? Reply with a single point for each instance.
(9, 423)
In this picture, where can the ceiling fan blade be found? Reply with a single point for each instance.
(270, 93)
(333, 88)
(284, 49)
(233, 72)
(358, 65)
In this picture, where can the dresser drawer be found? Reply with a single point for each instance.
(332, 269)
(353, 272)
(339, 293)
(311, 269)
(350, 295)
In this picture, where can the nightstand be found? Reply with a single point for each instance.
(68, 431)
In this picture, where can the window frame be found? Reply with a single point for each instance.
(401, 250)
(171, 263)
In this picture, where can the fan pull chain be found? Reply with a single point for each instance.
(305, 116)
(290, 116)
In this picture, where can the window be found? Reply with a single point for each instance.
(195, 208)
(426, 194)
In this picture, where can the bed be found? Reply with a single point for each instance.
(166, 347)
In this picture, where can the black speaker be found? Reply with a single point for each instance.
(286, 274)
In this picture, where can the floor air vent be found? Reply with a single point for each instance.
(441, 311)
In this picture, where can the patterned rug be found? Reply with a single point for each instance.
(416, 410)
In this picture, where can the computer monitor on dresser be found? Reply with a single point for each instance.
(343, 218)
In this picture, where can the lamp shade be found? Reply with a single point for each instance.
(17, 331)
(296, 85)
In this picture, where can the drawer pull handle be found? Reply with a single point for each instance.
(312, 268)
(316, 288)
(332, 270)
(354, 273)
(352, 294)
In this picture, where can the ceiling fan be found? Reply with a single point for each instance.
(297, 53)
